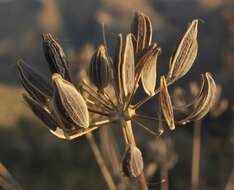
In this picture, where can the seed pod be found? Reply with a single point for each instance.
(55, 56)
(142, 30)
(166, 105)
(185, 54)
(128, 67)
(149, 55)
(149, 72)
(132, 163)
(34, 83)
(42, 112)
(68, 102)
(117, 67)
(54, 125)
(205, 101)
(100, 68)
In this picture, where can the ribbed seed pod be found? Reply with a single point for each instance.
(55, 56)
(42, 113)
(100, 69)
(141, 28)
(68, 103)
(166, 105)
(185, 54)
(34, 83)
(132, 163)
(205, 102)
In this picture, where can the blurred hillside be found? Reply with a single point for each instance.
(40, 161)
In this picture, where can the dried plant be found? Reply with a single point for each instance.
(67, 110)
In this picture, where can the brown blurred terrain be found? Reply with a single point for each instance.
(37, 159)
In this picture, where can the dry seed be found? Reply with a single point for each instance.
(166, 105)
(185, 53)
(128, 67)
(69, 103)
(34, 83)
(148, 35)
(149, 72)
(117, 66)
(132, 163)
(42, 113)
(205, 101)
(55, 56)
(100, 68)
(138, 28)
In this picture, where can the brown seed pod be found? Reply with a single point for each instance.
(142, 30)
(55, 56)
(166, 105)
(185, 54)
(42, 112)
(132, 163)
(205, 102)
(68, 102)
(100, 68)
(54, 125)
(34, 83)
(128, 67)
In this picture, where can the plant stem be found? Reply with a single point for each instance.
(164, 177)
(105, 172)
(196, 155)
(130, 141)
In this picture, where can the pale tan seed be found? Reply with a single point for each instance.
(128, 67)
(69, 103)
(166, 105)
(205, 102)
(149, 73)
(185, 54)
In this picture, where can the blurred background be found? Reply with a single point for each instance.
(38, 160)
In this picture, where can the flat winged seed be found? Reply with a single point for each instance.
(205, 102)
(149, 72)
(100, 68)
(117, 66)
(34, 83)
(69, 103)
(166, 105)
(132, 163)
(148, 35)
(138, 29)
(145, 57)
(55, 56)
(128, 67)
(185, 54)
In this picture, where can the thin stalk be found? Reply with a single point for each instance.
(101, 163)
(196, 155)
(99, 100)
(130, 141)
(154, 133)
(92, 92)
(147, 117)
(98, 112)
(147, 98)
(164, 178)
